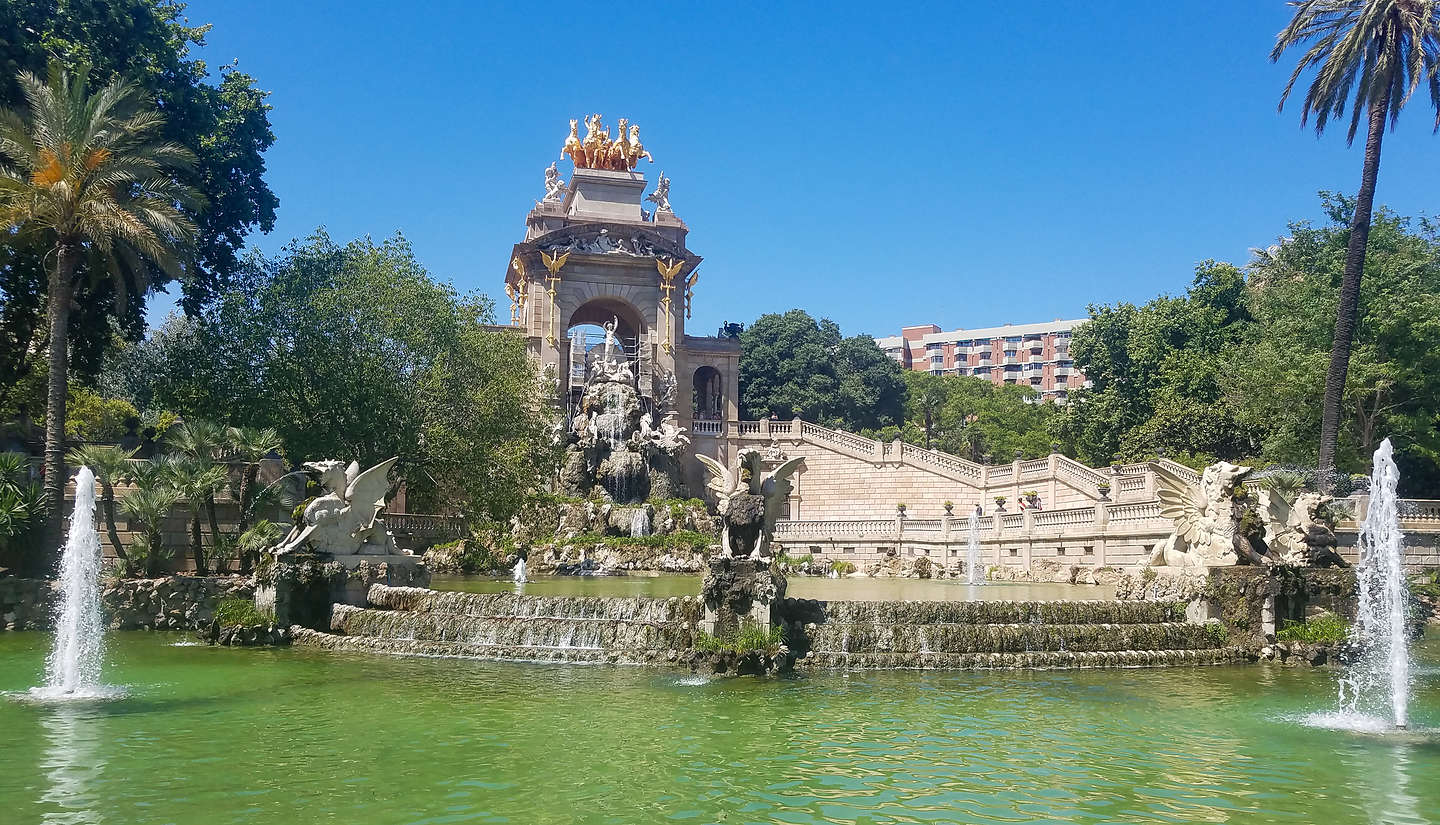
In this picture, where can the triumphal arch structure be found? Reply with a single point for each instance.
(604, 259)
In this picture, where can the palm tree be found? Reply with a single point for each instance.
(90, 177)
(1381, 50)
(111, 466)
(148, 505)
(251, 445)
(194, 483)
(202, 442)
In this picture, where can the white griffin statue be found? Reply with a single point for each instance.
(1207, 519)
(749, 478)
(343, 521)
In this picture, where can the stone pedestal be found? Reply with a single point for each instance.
(605, 194)
(739, 591)
(299, 590)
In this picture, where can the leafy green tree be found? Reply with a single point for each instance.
(1156, 376)
(1276, 379)
(792, 365)
(22, 506)
(111, 466)
(973, 417)
(1368, 56)
(356, 352)
(202, 442)
(90, 175)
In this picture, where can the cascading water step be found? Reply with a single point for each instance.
(510, 631)
(819, 660)
(1010, 638)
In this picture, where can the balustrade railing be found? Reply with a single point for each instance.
(707, 427)
(922, 525)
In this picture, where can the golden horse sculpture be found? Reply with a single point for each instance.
(598, 151)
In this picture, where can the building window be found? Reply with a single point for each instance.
(1089, 551)
(1059, 551)
(849, 551)
(815, 550)
(1014, 551)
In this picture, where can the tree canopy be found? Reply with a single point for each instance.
(973, 417)
(356, 352)
(792, 365)
(221, 116)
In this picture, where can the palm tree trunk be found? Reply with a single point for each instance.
(214, 526)
(1349, 308)
(108, 493)
(62, 291)
(247, 485)
(197, 546)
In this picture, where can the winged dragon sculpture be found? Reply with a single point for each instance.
(1207, 519)
(344, 520)
(749, 499)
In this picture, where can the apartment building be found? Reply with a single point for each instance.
(1033, 355)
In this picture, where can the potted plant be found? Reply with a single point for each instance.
(1104, 488)
(900, 508)
(1000, 503)
(949, 506)
(1032, 496)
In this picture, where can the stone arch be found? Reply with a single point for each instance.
(707, 393)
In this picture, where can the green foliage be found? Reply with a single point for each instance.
(792, 365)
(679, 540)
(842, 568)
(92, 418)
(238, 612)
(356, 351)
(745, 639)
(784, 559)
(1217, 633)
(1156, 374)
(972, 417)
(1326, 627)
(22, 508)
(1276, 380)
(215, 111)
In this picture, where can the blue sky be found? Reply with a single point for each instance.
(880, 164)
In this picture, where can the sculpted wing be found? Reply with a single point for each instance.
(1277, 516)
(1178, 503)
(366, 493)
(721, 480)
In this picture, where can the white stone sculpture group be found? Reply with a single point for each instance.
(1208, 523)
(344, 520)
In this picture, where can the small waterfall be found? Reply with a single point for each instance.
(1378, 683)
(73, 669)
(639, 523)
(972, 552)
(519, 573)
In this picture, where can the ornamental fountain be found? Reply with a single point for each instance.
(72, 670)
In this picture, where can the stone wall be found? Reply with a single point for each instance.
(169, 603)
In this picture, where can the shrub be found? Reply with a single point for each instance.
(842, 568)
(1327, 627)
(748, 637)
(238, 611)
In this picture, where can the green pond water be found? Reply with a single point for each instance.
(808, 587)
(209, 735)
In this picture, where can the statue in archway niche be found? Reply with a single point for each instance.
(618, 445)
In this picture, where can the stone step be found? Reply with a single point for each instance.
(1011, 638)
(304, 637)
(983, 612)
(1042, 660)
(495, 605)
(513, 631)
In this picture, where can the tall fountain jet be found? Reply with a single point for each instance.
(972, 554)
(1379, 681)
(73, 669)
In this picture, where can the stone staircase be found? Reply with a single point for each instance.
(959, 635)
(511, 627)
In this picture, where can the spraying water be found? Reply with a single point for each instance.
(972, 553)
(1375, 690)
(518, 575)
(73, 669)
